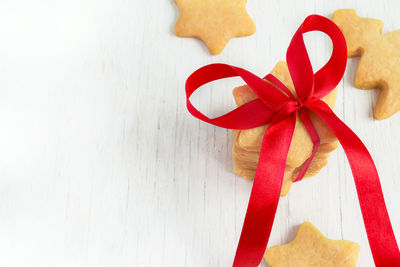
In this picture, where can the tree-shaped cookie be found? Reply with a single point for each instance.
(379, 65)
(246, 149)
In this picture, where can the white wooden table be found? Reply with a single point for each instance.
(101, 164)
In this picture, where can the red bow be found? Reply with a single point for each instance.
(277, 106)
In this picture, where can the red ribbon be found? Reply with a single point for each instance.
(277, 106)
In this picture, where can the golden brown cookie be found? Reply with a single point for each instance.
(379, 65)
(311, 248)
(213, 21)
(246, 148)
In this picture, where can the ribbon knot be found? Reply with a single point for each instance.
(299, 104)
(277, 106)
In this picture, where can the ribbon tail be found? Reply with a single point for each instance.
(376, 219)
(314, 138)
(265, 193)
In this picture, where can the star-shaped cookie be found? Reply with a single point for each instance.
(213, 21)
(311, 248)
(379, 65)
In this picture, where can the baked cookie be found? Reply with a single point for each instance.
(311, 248)
(215, 22)
(246, 148)
(379, 65)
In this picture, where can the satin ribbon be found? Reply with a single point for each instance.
(277, 106)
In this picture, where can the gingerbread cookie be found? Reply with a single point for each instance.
(247, 145)
(311, 248)
(379, 65)
(215, 22)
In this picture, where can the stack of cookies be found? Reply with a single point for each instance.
(246, 148)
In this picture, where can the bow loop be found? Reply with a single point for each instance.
(329, 76)
(255, 113)
(306, 83)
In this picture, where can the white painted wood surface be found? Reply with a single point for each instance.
(101, 164)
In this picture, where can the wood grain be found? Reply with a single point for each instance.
(101, 164)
